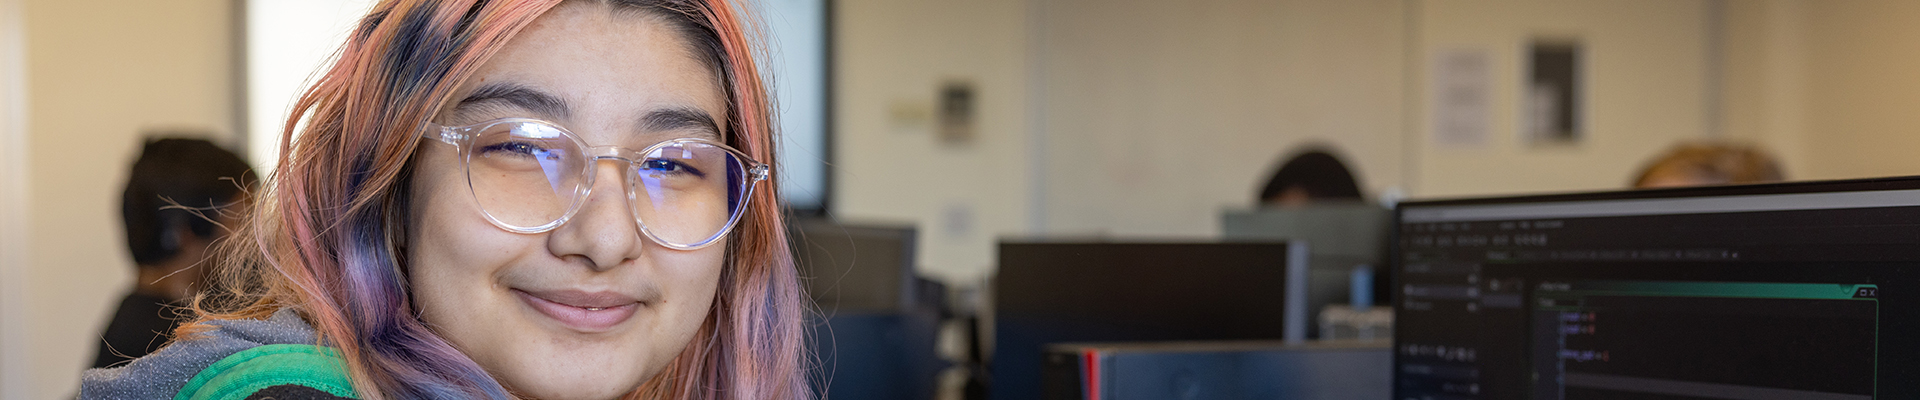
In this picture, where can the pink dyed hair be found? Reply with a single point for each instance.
(324, 238)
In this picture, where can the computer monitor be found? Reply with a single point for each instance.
(1054, 292)
(855, 267)
(1797, 290)
(1339, 237)
(877, 329)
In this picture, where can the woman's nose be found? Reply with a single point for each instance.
(603, 232)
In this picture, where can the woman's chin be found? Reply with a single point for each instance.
(581, 387)
(573, 371)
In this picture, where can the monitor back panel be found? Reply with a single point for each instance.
(853, 267)
(1339, 238)
(1108, 292)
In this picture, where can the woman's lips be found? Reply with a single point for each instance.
(582, 311)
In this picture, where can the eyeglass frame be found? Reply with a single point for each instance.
(462, 137)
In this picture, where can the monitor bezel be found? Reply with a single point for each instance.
(1820, 186)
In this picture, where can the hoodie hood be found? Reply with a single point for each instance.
(161, 375)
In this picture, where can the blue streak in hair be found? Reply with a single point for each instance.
(377, 308)
(419, 56)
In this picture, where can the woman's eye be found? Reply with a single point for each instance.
(665, 166)
(524, 149)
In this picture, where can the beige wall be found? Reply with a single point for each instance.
(14, 209)
(890, 163)
(1828, 85)
(1157, 115)
(1145, 118)
(100, 74)
(1160, 114)
(1765, 80)
(1862, 99)
(1645, 76)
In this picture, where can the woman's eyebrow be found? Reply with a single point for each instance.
(520, 96)
(680, 118)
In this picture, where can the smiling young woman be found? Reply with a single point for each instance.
(499, 199)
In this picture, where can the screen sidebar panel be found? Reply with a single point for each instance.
(1659, 299)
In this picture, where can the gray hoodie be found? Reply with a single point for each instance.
(161, 375)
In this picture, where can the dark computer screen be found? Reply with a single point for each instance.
(875, 330)
(855, 267)
(1784, 291)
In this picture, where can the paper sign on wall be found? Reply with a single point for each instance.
(1462, 97)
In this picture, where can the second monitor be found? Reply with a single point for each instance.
(1053, 292)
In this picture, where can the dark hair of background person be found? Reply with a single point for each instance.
(1317, 172)
(189, 173)
(171, 193)
(1706, 163)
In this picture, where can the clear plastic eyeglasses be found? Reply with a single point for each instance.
(531, 176)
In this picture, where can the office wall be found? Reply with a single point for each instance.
(14, 208)
(1147, 118)
(1645, 70)
(1826, 85)
(100, 74)
(1765, 81)
(1160, 114)
(1862, 99)
(890, 162)
(1157, 115)
(287, 43)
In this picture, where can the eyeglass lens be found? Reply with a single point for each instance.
(530, 175)
(686, 192)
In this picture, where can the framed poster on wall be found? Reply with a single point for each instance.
(1551, 110)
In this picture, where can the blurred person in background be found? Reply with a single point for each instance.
(1699, 164)
(1309, 176)
(174, 209)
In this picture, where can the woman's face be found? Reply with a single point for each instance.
(590, 309)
